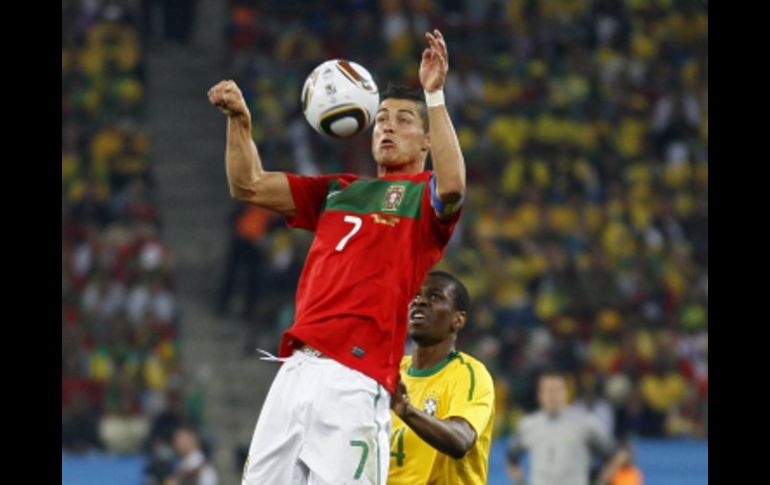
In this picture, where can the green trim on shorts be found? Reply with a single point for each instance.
(377, 436)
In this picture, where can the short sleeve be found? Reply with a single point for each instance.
(309, 194)
(474, 397)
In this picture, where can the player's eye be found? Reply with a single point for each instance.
(404, 121)
(435, 296)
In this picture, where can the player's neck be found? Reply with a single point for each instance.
(409, 168)
(425, 357)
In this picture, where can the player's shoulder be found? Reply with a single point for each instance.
(476, 371)
(577, 413)
(468, 360)
(586, 418)
(533, 419)
(406, 361)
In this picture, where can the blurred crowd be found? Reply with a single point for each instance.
(584, 125)
(584, 238)
(123, 390)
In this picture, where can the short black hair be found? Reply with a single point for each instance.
(402, 91)
(552, 372)
(460, 296)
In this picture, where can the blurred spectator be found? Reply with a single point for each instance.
(628, 473)
(80, 420)
(193, 467)
(635, 419)
(178, 19)
(168, 421)
(592, 402)
(119, 313)
(247, 254)
(554, 459)
(123, 428)
(160, 463)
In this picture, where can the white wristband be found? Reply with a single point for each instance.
(434, 98)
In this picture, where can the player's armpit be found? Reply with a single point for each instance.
(270, 191)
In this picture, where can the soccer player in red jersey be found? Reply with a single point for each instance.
(326, 417)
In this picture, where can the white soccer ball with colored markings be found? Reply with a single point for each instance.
(340, 99)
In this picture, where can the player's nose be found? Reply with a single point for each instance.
(386, 126)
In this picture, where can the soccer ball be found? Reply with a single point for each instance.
(340, 99)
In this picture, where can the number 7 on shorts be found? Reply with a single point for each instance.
(364, 456)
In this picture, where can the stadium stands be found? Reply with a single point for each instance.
(585, 130)
(121, 375)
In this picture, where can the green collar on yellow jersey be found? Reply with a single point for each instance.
(435, 369)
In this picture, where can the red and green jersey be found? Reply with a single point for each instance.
(375, 241)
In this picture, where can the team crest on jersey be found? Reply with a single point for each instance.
(430, 405)
(393, 197)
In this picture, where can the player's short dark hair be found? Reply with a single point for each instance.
(461, 298)
(401, 91)
(552, 372)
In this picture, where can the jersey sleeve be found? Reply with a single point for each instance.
(474, 397)
(439, 230)
(309, 194)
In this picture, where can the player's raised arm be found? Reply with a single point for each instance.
(448, 162)
(247, 180)
(452, 436)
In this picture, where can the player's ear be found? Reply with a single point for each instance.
(459, 321)
(425, 143)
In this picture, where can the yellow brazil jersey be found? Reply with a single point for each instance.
(458, 386)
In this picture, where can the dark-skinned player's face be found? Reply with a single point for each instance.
(432, 314)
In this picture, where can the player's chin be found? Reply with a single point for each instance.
(387, 158)
(419, 335)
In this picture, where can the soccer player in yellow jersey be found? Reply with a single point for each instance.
(443, 409)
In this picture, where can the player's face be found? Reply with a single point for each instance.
(398, 136)
(432, 313)
(184, 442)
(552, 394)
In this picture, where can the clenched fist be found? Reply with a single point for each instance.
(226, 96)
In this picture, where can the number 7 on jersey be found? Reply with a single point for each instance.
(357, 223)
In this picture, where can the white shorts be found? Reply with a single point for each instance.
(322, 423)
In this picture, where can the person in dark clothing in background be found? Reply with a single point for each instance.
(249, 225)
